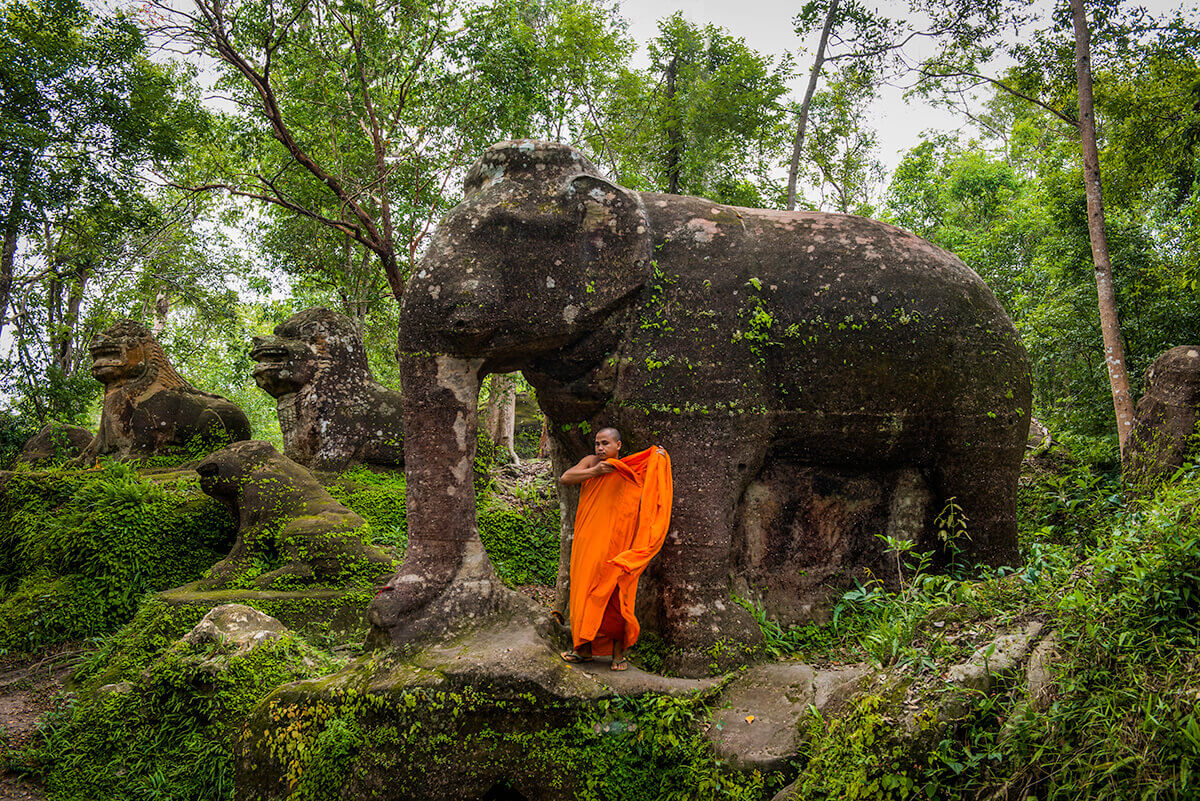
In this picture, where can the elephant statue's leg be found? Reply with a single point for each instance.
(978, 469)
(440, 412)
(701, 621)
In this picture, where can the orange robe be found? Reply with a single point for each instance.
(621, 524)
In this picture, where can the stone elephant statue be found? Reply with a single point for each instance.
(817, 378)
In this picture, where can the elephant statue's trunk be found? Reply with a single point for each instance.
(446, 576)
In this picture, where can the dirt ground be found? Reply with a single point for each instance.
(29, 688)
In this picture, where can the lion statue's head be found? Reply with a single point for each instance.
(302, 347)
(126, 351)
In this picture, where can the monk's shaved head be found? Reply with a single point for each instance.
(612, 432)
(608, 443)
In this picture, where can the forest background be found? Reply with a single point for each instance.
(212, 167)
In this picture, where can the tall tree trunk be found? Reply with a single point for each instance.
(7, 257)
(12, 230)
(64, 334)
(674, 135)
(798, 143)
(502, 413)
(1110, 326)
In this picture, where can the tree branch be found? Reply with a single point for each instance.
(925, 72)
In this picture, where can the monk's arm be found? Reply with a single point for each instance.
(589, 467)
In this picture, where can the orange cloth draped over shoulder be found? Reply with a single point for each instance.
(621, 524)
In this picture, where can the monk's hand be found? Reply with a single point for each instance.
(604, 468)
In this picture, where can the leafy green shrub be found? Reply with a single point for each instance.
(527, 441)
(485, 460)
(156, 718)
(1072, 506)
(522, 541)
(15, 431)
(380, 499)
(1124, 724)
(82, 547)
(333, 750)
(809, 639)
(855, 756)
(656, 751)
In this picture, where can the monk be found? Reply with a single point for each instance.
(624, 512)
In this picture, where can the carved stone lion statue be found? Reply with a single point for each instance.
(148, 407)
(286, 519)
(332, 411)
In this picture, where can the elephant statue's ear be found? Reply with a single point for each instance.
(605, 207)
(612, 250)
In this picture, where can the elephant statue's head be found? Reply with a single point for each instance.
(541, 251)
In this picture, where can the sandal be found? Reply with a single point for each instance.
(574, 658)
(619, 665)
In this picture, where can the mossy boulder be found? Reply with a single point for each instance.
(291, 532)
(1165, 433)
(155, 715)
(55, 442)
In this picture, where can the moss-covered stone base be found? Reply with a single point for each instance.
(153, 716)
(489, 713)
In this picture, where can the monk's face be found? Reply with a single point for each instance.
(607, 444)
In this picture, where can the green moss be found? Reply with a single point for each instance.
(420, 741)
(156, 718)
(522, 541)
(82, 547)
(485, 459)
(855, 756)
(380, 499)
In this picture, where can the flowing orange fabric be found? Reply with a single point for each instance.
(621, 524)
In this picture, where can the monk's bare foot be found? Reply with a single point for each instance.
(575, 658)
(619, 665)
